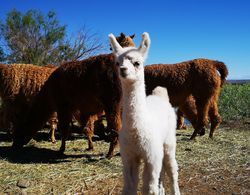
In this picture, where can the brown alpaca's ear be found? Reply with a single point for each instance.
(122, 35)
(132, 36)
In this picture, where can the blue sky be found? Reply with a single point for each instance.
(180, 30)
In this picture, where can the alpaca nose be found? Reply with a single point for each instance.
(123, 71)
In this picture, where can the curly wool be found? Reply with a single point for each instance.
(19, 84)
(199, 78)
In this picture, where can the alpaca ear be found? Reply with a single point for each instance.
(132, 36)
(114, 44)
(122, 35)
(145, 44)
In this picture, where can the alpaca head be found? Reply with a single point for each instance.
(131, 59)
(125, 41)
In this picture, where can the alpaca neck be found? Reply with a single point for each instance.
(134, 101)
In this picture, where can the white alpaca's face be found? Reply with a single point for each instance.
(131, 59)
(130, 65)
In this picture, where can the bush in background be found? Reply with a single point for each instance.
(234, 102)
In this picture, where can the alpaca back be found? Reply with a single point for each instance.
(185, 78)
(23, 79)
(86, 83)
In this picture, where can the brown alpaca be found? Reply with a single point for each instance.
(19, 84)
(198, 78)
(91, 85)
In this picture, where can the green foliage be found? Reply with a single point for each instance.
(36, 38)
(234, 102)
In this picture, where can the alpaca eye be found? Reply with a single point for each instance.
(136, 64)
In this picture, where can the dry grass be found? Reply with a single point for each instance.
(219, 166)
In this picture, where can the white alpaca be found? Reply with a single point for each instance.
(148, 125)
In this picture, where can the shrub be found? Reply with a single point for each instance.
(234, 102)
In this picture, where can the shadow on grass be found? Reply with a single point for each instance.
(183, 137)
(182, 134)
(43, 135)
(32, 154)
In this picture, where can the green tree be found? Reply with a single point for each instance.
(39, 39)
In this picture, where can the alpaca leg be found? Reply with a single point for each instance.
(202, 106)
(99, 128)
(114, 125)
(180, 120)
(190, 111)
(64, 119)
(87, 124)
(9, 116)
(151, 178)
(53, 125)
(52, 133)
(161, 181)
(215, 118)
(188, 108)
(152, 172)
(89, 131)
(130, 175)
(171, 168)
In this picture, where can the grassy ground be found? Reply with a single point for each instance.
(218, 166)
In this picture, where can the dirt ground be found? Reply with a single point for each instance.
(206, 166)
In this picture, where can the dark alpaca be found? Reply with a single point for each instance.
(198, 78)
(91, 85)
(87, 123)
